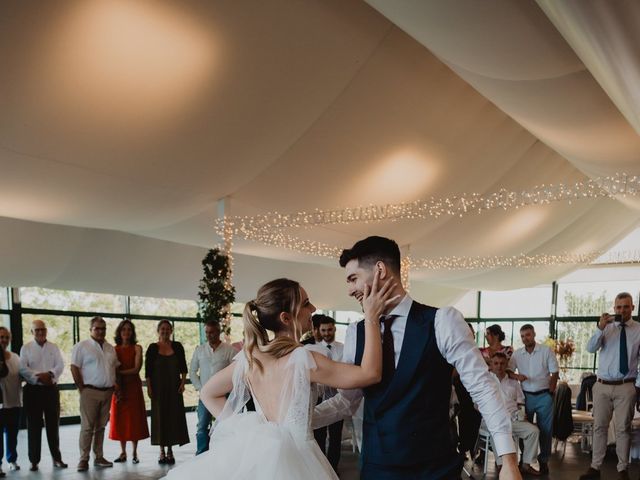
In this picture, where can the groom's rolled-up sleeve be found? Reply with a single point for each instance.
(346, 402)
(457, 346)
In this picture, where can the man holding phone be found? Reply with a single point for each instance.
(617, 341)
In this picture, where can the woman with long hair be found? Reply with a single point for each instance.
(128, 413)
(276, 440)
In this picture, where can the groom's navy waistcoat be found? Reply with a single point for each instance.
(406, 421)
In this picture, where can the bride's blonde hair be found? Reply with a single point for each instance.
(263, 313)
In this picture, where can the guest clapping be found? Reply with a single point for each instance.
(11, 402)
(128, 414)
(93, 366)
(166, 374)
(41, 365)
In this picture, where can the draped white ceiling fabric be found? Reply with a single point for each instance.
(122, 125)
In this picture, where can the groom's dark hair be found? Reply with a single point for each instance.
(372, 250)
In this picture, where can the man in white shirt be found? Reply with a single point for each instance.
(41, 365)
(327, 330)
(617, 341)
(514, 400)
(208, 359)
(538, 371)
(406, 416)
(11, 387)
(93, 366)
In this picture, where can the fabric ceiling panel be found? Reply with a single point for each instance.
(606, 37)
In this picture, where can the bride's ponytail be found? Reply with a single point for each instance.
(263, 314)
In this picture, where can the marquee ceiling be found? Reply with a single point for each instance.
(122, 125)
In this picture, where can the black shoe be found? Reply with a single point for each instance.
(170, 459)
(135, 460)
(591, 474)
(544, 468)
(121, 459)
(34, 467)
(59, 464)
(162, 460)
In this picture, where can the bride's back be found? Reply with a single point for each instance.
(271, 386)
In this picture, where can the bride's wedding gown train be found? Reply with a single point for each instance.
(248, 445)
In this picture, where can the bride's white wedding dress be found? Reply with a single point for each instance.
(252, 445)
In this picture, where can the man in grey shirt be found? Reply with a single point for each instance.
(617, 341)
(208, 359)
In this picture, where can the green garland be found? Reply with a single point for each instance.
(216, 292)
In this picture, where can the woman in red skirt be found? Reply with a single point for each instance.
(128, 413)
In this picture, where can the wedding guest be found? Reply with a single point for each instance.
(93, 366)
(327, 330)
(11, 386)
(495, 336)
(538, 371)
(617, 342)
(514, 399)
(41, 365)
(208, 359)
(166, 373)
(315, 336)
(128, 412)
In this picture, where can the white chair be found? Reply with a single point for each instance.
(582, 429)
(483, 444)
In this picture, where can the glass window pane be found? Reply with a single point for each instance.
(468, 304)
(36, 297)
(524, 302)
(541, 329)
(4, 298)
(69, 403)
(59, 331)
(579, 332)
(170, 307)
(4, 321)
(583, 299)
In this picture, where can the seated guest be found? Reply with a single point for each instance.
(495, 336)
(514, 400)
(41, 365)
(128, 412)
(11, 402)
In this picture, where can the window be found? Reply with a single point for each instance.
(163, 306)
(582, 361)
(524, 302)
(4, 298)
(35, 297)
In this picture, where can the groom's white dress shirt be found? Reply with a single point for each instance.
(458, 347)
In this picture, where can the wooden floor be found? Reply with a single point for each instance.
(569, 468)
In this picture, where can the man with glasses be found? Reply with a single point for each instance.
(41, 365)
(93, 365)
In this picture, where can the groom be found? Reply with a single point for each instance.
(406, 416)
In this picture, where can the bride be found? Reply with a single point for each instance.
(280, 376)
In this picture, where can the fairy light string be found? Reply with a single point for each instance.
(269, 229)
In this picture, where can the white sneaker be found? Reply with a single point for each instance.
(14, 466)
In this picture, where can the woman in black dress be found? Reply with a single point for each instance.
(166, 373)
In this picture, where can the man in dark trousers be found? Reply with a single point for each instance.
(406, 416)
